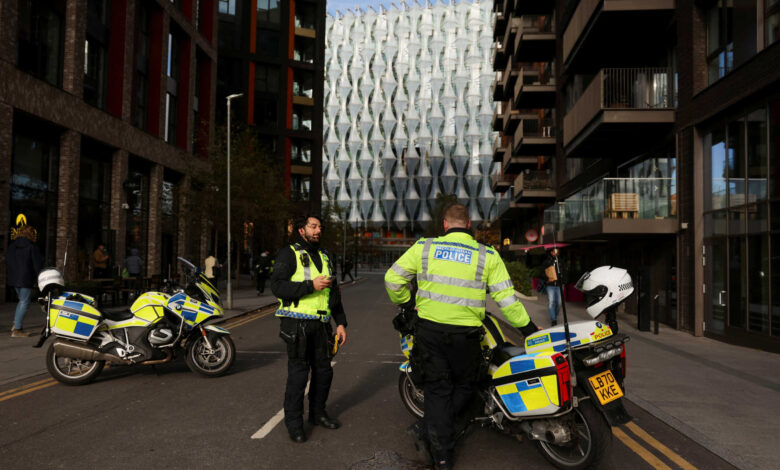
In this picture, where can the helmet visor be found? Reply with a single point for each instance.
(594, 295)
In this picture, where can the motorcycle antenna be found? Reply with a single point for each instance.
(573, 375)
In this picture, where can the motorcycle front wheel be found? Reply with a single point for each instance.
(211, 362)
(72, 371)
(591, 438)
(412, 396)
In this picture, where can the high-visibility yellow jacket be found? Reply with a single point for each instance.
(312, 306)
(453, 273)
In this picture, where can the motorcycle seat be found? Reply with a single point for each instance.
(506, 351)
(117, 313)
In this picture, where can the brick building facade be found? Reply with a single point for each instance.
(106, 111)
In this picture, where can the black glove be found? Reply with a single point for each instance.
(529, 329)
(405, 320)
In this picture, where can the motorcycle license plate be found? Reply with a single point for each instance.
(606, 387)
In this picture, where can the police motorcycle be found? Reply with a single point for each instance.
(562, 395)
(155, 329)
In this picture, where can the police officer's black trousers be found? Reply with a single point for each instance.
(309, 351)
(450, 360)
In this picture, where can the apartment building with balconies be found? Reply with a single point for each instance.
(273, 52)
(525, 95)
(666, 133)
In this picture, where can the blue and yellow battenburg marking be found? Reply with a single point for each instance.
(554, 339)
(302, 316)
(407, 343)
(531, 396)
(72, 319)
(191, 310)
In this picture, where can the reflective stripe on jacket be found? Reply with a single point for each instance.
(453, 273)
(312, 306)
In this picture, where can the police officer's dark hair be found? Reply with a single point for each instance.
(302, 220)
(457, 213)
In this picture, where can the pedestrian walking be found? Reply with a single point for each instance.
(552, 285)
(262, 271)
(100, 262)
(453, 273)
(346, 270)
(308, 292)
(23, 263)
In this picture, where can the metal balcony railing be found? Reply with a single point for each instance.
(616, 198)
(637, 88)
(536, 180)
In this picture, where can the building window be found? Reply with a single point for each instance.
(96, 53)
(268, 11)
(771, 21)
(227, 7)
(300, 152)
(266, 111)
(305, 15)
(171, 96)
(300, 186)
(141, 69)
(720, 39)
(94, 206)
(303, 83)
(739, 242)
(267, 42)
(266, 78)
(41, 38)
(304, 49)
(34, 181)
(302, 118)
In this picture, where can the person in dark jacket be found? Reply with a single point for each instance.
(134, 263)
(304, 281)
(23, 262)
(262, 271)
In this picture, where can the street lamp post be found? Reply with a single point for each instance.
(229, 273)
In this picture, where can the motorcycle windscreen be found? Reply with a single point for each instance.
(527, 385)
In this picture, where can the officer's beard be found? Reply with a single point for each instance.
(313, 243)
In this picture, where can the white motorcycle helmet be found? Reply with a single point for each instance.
(49, 279)
(604, 287)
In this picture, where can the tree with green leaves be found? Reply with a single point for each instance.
(260, 209)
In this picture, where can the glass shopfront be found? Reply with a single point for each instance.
(34, 180)
(741, 206)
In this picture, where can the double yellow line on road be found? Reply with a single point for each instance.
(24, 389)
(45, 383)
(645, 454)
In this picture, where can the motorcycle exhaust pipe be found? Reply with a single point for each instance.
(84, 352)
(167, 358)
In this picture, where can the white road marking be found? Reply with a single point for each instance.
(277, 418)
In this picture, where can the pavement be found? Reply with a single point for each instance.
(723, 397)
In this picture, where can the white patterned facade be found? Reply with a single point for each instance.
(408, 112)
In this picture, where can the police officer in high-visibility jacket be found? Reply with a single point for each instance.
(453, 272)
(305, 283)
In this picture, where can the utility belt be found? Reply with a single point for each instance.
(297, 332)
(321, 315)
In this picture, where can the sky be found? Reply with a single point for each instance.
(335, 5)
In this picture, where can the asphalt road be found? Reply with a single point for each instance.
(167, 417)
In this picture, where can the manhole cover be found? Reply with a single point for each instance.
(388, 460)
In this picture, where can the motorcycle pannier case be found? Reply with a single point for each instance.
(528, 385)
(72, 319)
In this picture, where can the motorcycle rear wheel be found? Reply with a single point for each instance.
(412, 396)
(211, 364)
(72, 371)
(592, 439)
